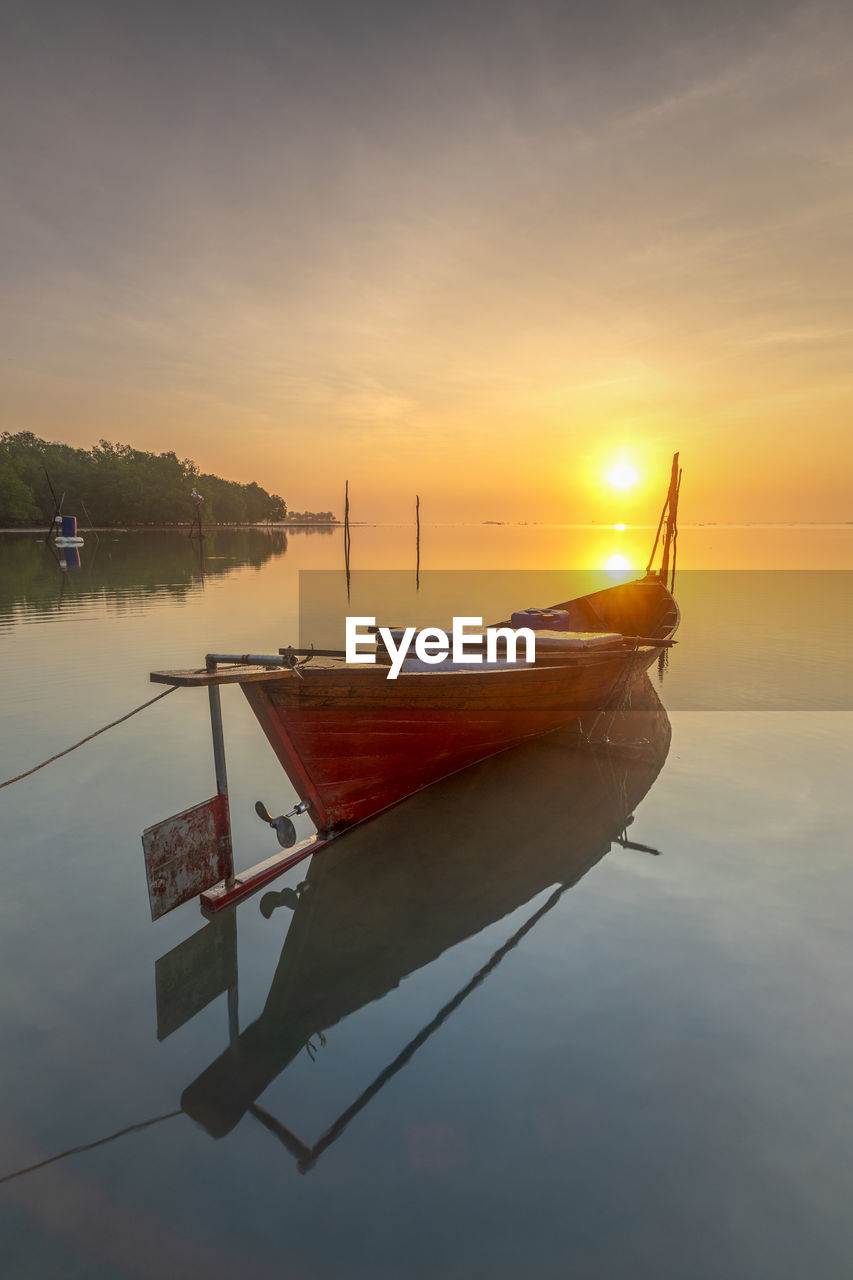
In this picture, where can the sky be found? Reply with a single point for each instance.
(485, 252)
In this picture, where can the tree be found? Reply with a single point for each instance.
(17, 500)
(121, 485)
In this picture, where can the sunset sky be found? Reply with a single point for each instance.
(486, 251)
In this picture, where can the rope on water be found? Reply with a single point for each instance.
(88, 1146)
(621, 686)
(88, 738)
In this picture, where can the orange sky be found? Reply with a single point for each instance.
(477, 253)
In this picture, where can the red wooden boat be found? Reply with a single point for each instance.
(353, 742)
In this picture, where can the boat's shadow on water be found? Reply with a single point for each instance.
(396, 893)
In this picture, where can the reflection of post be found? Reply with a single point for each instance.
(221, 775)
(195, 972)
(234, 1015)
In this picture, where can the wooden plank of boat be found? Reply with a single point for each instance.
(200, 677)
(227, 892)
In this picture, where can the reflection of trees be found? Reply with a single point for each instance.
(313, 528)
(134, 565)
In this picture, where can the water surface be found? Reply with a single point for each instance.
(487, 1037)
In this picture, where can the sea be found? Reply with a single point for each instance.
(583, 1010)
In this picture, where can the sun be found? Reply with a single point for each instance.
(622, 476)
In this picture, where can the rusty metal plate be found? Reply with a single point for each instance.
(186, 854)
(195, 972)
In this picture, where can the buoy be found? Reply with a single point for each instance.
(68, 535)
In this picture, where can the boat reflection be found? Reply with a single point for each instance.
(395, 894)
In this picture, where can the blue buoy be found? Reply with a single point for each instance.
(68, 533)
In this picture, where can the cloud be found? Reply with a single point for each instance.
(376, 219)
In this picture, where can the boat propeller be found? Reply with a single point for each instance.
(283, 827)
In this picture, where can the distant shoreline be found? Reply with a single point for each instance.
(280, 525)
(183, 527)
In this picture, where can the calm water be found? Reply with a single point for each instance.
(484, 1038)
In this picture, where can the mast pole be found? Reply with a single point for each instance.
(671, 515)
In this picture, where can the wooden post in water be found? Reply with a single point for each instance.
(57, 505)
(197, 501)
(417, 543)
(346, 534)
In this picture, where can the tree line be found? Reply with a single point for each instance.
(117, 484)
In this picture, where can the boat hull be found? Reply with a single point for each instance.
(355, 744)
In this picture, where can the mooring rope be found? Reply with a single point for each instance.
(88, 1146)
(621, 685)
(88, 738)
